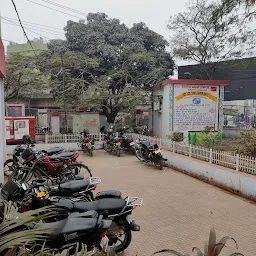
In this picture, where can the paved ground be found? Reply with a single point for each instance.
(178, 210)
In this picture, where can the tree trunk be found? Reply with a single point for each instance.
(110, 116)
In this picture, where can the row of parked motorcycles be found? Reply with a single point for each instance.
(145, 151)
(52, 178)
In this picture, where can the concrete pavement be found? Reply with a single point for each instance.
(178, 210)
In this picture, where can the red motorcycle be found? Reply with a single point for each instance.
(57, 168)
(86, 143)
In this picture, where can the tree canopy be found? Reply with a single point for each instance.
(105, 64)
(24, 79)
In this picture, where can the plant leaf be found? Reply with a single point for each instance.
(170, 251)
(198, 251)
(212, 238)
(211, 251)
(205, 248)
(222, 243)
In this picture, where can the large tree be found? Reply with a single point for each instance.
(198, 37)
(130, 61)
(24, 79)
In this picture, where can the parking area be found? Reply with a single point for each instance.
(178, 210)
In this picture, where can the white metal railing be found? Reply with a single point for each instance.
(227, 159)
(70, 138)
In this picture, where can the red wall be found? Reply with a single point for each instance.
(2, 60)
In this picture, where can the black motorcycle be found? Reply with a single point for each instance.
(72, 232)
(117, 209)
(147, 152)
(127, 144)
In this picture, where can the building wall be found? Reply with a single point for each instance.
(241, 73)
(25, 49)
(161, 118)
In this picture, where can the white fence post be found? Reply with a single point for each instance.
(99, 136)
(173, 147)
(211, 156)
(237, 162)
(46, 138)
(160, 143)
(190, 150)
(65, 136)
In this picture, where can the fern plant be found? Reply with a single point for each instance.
(211, 247)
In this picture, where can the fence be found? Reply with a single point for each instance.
(69, 138)
(223, 158)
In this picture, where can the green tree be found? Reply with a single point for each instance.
(130, 59)
(24, 79)
(197, 37)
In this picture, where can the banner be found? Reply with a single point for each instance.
(195, 107)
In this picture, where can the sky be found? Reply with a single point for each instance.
(155, 13)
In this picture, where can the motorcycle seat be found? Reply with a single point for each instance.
(61, 228)
(63, 156)
(109, 194)
(108, 206)
(74, 185)
(53, 151)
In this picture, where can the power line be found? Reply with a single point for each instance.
(15, 24)
(65, 7)
(31, 27)
(36, 24)
(54, 9)
(15, 8)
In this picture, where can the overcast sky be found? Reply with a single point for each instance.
(155, 13)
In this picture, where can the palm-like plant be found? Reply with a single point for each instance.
(211, 247)
(13, 240)
(12, 221)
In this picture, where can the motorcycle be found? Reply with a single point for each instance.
(56, 168)
(17, 161)
(71, 233)
(107, 203)
(127, 144)
(112, 143)
(150, 153)
(86, 144)
(117, 209)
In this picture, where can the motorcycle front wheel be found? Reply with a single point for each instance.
(120, 236)
(139, 155)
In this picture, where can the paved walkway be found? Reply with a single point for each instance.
(178, 210)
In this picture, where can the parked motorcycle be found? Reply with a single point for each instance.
(87, 144)
(17, 161)
(112, 143)
(127, 143)
(78, 190)
(107, 203)
(71, 233)
(147, 152)
(56, 168)
(117, 209)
